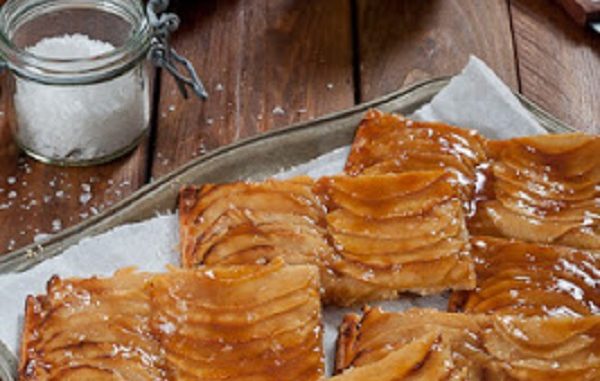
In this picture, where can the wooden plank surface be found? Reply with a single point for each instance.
(404, 41)
(559, 63)
(38, 199)
(265, 64)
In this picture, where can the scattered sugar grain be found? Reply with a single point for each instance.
(56, 225)
(11, 180)
(167, 328)
(278, 110)
(84, 198)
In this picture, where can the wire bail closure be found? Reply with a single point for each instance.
(164, 56)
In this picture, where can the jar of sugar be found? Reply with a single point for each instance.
(80, 86)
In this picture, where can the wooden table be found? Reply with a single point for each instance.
(268, 64)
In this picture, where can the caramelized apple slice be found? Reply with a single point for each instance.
(431, 223)
(421, 161)
(422, 277)
(390, 201)
(516, 277)
(390, 260)
(403, 364)
(516, 181)
(510, 224)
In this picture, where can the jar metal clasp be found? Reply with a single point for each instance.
(164, 56)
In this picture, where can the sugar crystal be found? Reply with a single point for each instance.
(80, 121)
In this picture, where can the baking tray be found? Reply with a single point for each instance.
(254, 158)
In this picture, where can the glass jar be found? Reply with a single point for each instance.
(79, 87)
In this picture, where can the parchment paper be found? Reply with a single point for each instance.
(475, 98)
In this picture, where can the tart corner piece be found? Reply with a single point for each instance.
(93, 328)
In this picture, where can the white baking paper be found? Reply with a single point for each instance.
(475, 98)
(149, 245)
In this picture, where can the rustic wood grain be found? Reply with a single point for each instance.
(41, 199)
(559, 63)
(265, 65)
(404, 41)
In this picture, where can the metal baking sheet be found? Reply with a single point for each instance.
(255, 158)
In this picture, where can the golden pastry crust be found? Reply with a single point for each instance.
(388, 143)
(527, 279)
(239, 322)
(542, 189)
(483, 347)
